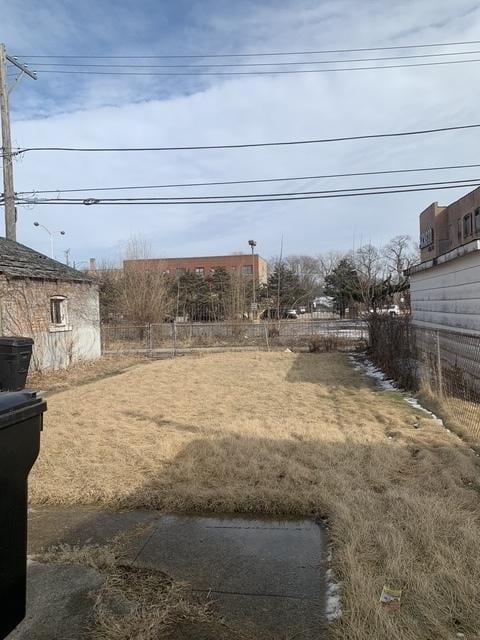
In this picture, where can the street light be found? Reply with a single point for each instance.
(253, 244)
(51, 234)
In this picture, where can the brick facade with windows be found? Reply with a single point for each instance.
(205, 265)
(443, 228)
(444, 287)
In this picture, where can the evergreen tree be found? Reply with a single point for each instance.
(284, 281)
(342, 285)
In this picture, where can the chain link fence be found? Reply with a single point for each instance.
(172, 337)
(444, 365)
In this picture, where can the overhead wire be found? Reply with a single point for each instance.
(255, 54)
(371, 136)
(258, 197)
(255, 73)
(280, 199)
(251, 181)
(251, 64)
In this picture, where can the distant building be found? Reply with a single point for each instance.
(54, 304)
(204, 266)
(445, 286)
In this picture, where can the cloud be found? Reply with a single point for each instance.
(124, 112)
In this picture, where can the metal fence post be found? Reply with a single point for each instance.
(149, 334)
(439, 366)
(174, 338)
(265, 324)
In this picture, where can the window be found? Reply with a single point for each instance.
(199, 271)
(247, 270)
(477, 220)
(58, 311)
(467, 225)
(459, 229)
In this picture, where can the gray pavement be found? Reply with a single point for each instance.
(59, 602)
(265, 577)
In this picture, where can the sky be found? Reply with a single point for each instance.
(97, 110)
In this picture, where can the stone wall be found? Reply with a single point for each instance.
(25, 310)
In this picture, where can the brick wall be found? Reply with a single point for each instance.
(447, 224)
(25, 310)
(174, 266)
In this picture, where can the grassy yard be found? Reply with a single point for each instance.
(284, 433)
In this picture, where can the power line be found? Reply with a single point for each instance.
(258, 54)
(251, 64)
(257, 197)
(279, 199)
(257, 73)
(252, 181)
(252, 144)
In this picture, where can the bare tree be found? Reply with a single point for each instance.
(371, 274)
(327, 262)
(137, 247)
(400, 254)
(308, 270)
(145, 294)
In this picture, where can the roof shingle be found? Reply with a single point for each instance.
(19, 261)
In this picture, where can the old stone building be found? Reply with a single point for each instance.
(55, 305)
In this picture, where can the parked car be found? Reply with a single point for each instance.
(392, 310)
(270, 313)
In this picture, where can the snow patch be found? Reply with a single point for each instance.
(366, 366)
(333, 605)
(372, 372)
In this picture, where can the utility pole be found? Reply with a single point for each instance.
(67, 257)
(8, 192)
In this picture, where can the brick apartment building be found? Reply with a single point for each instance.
(204, 266)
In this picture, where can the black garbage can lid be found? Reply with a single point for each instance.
(16, 406)
(15, 341)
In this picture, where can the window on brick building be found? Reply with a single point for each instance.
(467, 225)
(459, 229)
(477, 220)
(199, 271)
(247, 269)
(58, 311)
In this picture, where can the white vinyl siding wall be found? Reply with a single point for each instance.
(447, 296)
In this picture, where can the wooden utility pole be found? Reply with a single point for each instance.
(8, 192)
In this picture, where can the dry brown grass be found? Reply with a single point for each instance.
(82, 373)
(294, 434)
(460, 415)
(132, 602)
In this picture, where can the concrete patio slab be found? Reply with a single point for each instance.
(265, 577)
(59, 602)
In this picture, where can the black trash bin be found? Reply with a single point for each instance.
(21, 418)
(15, 354)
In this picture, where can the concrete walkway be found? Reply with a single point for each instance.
(265, 577)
